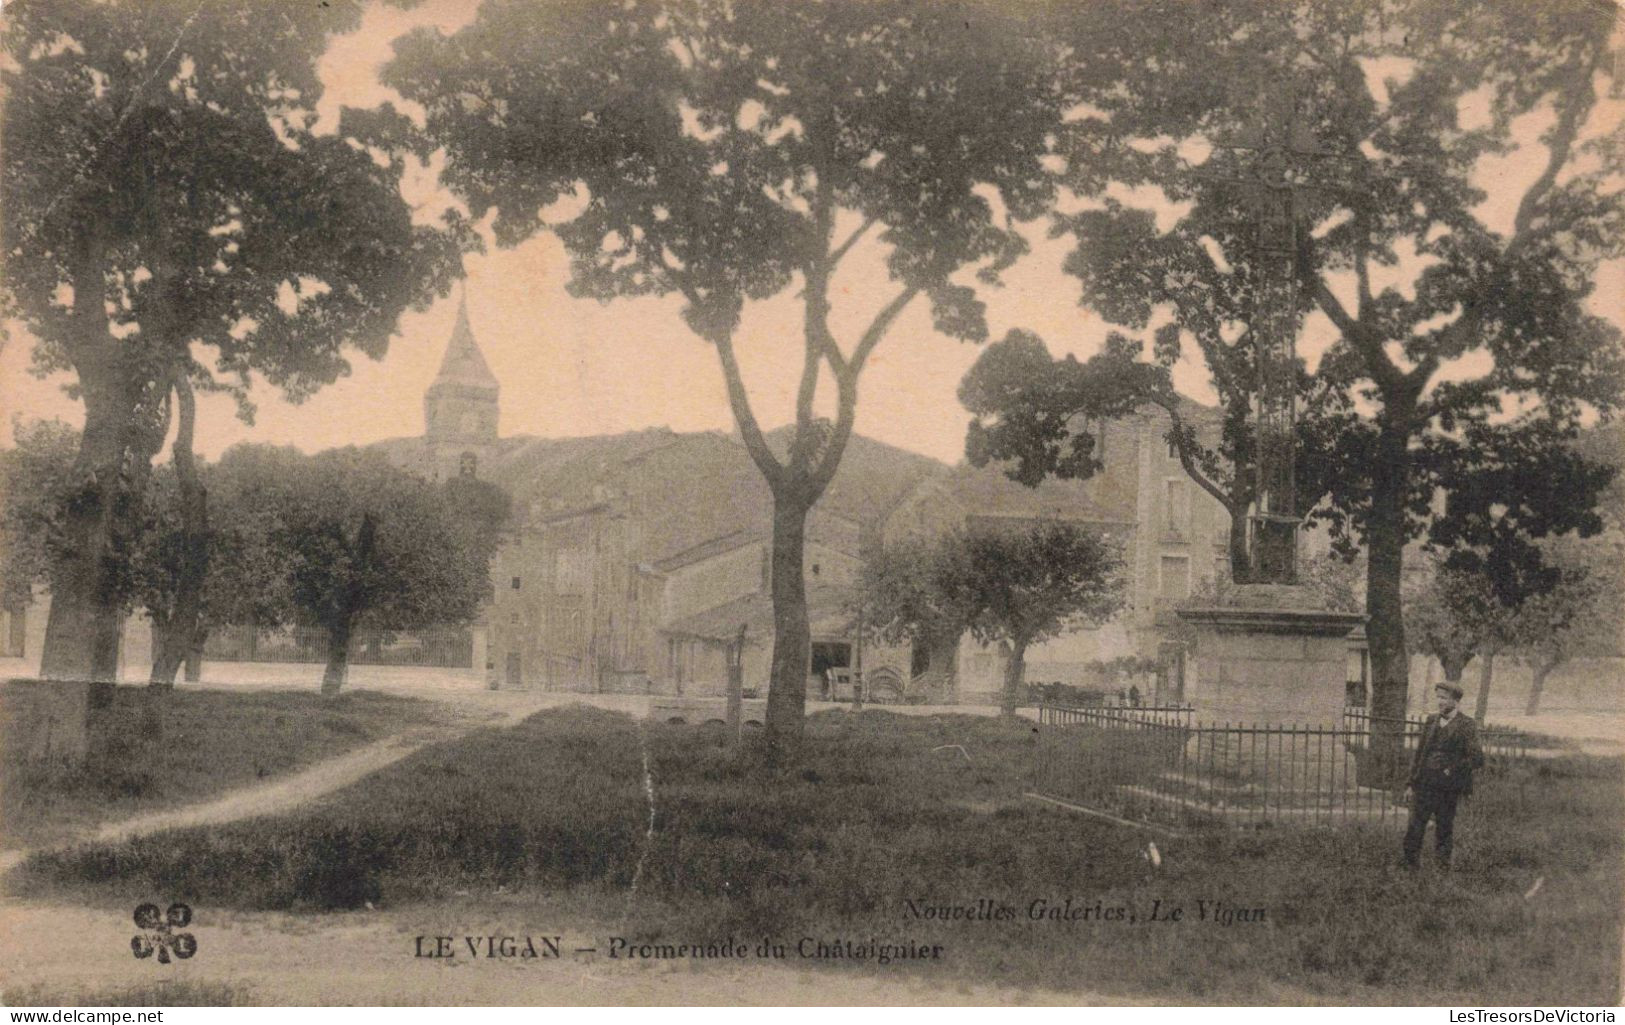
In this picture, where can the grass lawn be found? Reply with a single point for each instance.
(190, 746)
(879, 813)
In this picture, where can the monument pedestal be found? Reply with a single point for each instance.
(1270, 655)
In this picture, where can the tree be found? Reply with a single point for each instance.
(1009, 587)
(1579, 617)
(164, 191)
(368, 545)
(209, 552)
(1453, 614)
(33, 478)
(727, 152)
(173, 561)
(1473, 375)
(1038, 414)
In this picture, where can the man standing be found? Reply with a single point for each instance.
(1441, 774)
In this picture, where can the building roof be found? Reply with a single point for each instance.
(986, 492)
(694, 490)
(708, 549)
(873, 476)
(828, 609)
(464, 365)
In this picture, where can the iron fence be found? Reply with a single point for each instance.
(1165, 769)
(1106, 716)
(1499, 742)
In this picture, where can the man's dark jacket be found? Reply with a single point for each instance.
(1447, 756)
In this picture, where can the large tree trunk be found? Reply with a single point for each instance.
(168, 652)
(87, 584)
(338, 658)
(350, 603)
(1385, 624)
(1486, 675)
(1454, 666)
(792, 640)
(1241, 570)
(1015, 671)
(1543, 669)
(183, 631)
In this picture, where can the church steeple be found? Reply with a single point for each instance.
(461, 405)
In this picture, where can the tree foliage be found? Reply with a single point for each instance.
(1469, 374)
(1039, 414)
(169, 212)
(355, 542)
(33, 476)
(1453, 614)
(1581, 616)
(729, 152)
(1012, 587)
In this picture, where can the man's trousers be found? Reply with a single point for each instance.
(1440, 806)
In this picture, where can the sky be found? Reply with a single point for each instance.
(576, 367)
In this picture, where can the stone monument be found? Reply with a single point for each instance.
(1270, 653)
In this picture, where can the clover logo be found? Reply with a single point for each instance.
(158, 932)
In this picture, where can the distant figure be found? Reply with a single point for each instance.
(1134, 696)
(1441, 774)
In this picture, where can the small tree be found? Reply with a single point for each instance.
(1581, 616)
(201, 566)
(368, 544)
(33, 498)
(1013, 588)
(1452, 613)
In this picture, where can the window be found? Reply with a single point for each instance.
(1176, 507)
(1173, 449)
(571, 567)
(815, 569)
(513, 618)
(1175, 581)
(516, 583)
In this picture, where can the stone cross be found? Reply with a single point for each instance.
(1283, 151)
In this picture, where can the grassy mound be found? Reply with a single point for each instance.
(189, 746)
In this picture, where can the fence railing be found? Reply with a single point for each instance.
(1109, 715)
(1498, 742)
(1172, 771)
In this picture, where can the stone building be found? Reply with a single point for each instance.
(1173, 534)
(635, 559)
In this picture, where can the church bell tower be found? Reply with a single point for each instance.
(460, 407)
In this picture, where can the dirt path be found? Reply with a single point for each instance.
(369, 958)
(297, 788)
